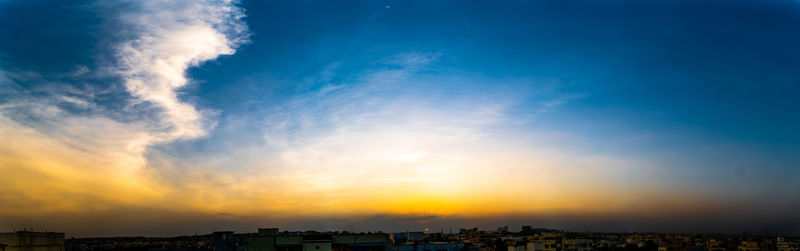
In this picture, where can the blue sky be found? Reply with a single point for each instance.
(677, 76)
(525, 108)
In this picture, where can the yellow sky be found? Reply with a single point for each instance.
(107, 168)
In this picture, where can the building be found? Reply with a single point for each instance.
(359, 242)
(270, 239)
(527, 230)
(264, 240)
(317, 245)
(542, 245)
(749, 246)
(546, 241)
(32, 241)
(427, 247)
(288, 243)
(224, 241)
(518, 247)
(416, 236)
(578, 244)
(398, 238)
(714, 245)
(782, 244)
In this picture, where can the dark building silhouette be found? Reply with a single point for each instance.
(224, 241)
(32, 241)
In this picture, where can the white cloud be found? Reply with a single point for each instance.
(172, 36)
(385, 126)
(80, 70)
(79, 102)
(92, 159)
(411, 59)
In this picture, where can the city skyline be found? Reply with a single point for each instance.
(501, 239)
(167, 118)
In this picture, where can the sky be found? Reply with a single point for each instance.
(163, 118)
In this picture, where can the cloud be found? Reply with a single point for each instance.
(411, 59)
(170, 37)
(71, 163)
(408, 142)
(65, 150)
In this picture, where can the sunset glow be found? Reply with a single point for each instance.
(185, 116)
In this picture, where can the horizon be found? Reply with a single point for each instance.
(144, 117)
(441, 231)
(188, 226)
(449, 231)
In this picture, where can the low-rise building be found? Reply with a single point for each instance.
(427, 247)
(224, 241)
(542, 245)
(317, 245)
(359, 242)
(518, 247)
(32, 241)
(714, 245)
(577, 245)
(749, 246)
(782, 244)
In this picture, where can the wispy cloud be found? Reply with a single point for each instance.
(171, 37)
(411, 59)
(391, 129)
(65, 149)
